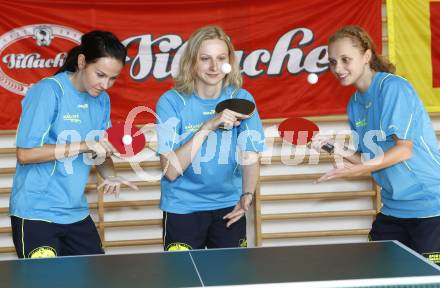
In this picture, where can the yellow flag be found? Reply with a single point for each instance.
(414, 46)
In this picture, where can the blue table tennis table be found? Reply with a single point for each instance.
(367, 264)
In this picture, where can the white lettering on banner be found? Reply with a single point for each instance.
(163, 64)
(33, 60)
(297, 61)
(144, 62)
(159, 58)
(43, 35)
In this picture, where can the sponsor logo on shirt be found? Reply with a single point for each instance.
(74, 118)
(361, 123)
(192, 127)
(83, 106)
(212, 112)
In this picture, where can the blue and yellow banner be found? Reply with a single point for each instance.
(414, 46)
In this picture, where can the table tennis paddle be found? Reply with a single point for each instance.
(300, 131)
(127, 143)
(238, 105)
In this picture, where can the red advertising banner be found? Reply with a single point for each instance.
(279, 43)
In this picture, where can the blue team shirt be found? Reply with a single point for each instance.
(214, 179)
(53, 111)
(390, 106)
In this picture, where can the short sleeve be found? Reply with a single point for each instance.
(399, 105)
(167, 125)
(354, 133)
(251, 132)
(38, 111)
(106, 121)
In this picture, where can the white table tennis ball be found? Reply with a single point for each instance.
(312, 78)
(127, 139)
(226, 68)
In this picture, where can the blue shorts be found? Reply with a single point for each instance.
(200, 230)
(38, 239)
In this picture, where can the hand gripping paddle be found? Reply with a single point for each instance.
(127, 143)
(238, 105)
(300, 131)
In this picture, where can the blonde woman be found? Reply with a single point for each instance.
(210, 174)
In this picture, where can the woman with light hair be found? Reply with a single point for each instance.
(210, 173)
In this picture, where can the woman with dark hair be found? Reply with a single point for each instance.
(397, 143)
(63, 118)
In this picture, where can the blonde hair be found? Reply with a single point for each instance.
(185, 81)
(360, 39)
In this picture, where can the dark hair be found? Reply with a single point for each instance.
(94, 45)
(363, 41)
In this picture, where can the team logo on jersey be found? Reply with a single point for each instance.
(178, 246)
(32, 52)
(433, 256)
(43, 252)
(210, 112)
(361, 123)
(73, 118)
(243, 243)
(192, 127)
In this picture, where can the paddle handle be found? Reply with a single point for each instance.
(328, 148)
(94, 155)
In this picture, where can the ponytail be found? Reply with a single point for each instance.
(71, 63)
(380, 64)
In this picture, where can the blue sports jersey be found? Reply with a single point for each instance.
(389, 107)
(214, 179)
(53, 111)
